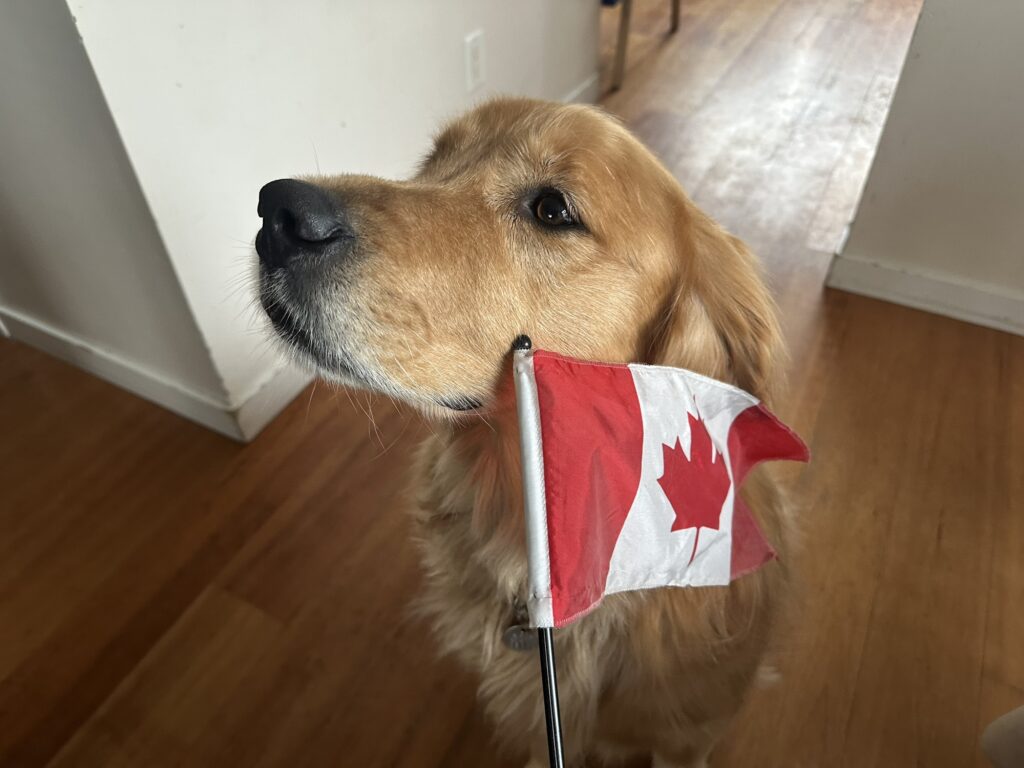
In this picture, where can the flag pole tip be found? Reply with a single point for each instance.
(522, 341)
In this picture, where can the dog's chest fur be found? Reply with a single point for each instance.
(470, 528)
(469, 520)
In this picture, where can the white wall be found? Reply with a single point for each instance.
(213, 99)
(82, 268)
(941, 222)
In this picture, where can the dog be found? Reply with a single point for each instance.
(554, 221)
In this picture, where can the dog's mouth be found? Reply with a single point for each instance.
(463, 403)
(287, 327)
(299, 337)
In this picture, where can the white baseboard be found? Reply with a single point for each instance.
(270, 399)
(943, 294)
(240, 423)
(587, 92)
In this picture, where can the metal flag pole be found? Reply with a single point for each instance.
(546, 642)
(552, 717)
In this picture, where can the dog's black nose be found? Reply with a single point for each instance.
(299, 219)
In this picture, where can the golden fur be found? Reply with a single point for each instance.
(448, 269)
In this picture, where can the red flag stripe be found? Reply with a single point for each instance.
(592, 436)
(756, 435)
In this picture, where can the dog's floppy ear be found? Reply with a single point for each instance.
(719, 318)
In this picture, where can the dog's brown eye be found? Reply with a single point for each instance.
(551, 210)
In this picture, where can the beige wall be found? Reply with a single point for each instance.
(941, 222)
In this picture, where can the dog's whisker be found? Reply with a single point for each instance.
(309, 402)
(373, 420)
(405, 425)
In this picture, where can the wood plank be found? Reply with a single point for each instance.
(1002, 668)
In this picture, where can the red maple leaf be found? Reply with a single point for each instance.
(695, 487)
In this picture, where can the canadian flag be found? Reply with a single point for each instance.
(630, 475)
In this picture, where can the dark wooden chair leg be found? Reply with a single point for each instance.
(619, 69)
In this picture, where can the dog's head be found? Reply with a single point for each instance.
(527, 217)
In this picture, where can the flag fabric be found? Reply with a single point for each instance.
(631, 476)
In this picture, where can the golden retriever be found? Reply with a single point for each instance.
(553, 221)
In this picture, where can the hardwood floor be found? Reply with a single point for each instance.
(168, 598)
